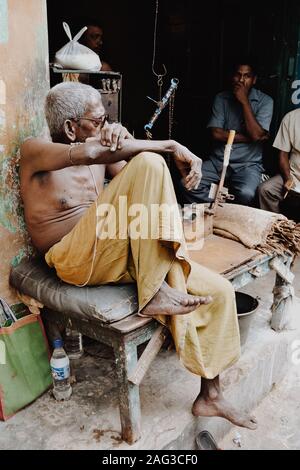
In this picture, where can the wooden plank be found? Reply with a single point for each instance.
(129, 324)
(282, 270)
(283, 300)
(129, 397)
(222, 255)
(245, 268)
(148, 355)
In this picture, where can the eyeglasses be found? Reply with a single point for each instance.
(96, 121)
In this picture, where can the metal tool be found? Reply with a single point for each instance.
(161, 105)
(219, 193)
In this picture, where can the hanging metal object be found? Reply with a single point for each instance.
(161, 105)
(169, 97)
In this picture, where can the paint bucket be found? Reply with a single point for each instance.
(246, 307)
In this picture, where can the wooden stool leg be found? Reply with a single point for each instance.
(129, 396)
(283, 296)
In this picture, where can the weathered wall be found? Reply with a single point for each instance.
(24, 81)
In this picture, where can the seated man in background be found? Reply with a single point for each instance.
(248, 111)
(287, 141)
(67, 215)
(93, 38)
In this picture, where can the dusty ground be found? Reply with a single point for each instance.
(279, 413)
(278, 416)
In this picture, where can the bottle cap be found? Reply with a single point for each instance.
(58, 343)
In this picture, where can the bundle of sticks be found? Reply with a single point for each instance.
(258, 229)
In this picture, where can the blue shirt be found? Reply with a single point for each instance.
(227, 114)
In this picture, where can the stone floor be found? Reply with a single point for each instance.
(90, 420)
(278, 416)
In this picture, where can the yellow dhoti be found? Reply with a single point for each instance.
(207, 340)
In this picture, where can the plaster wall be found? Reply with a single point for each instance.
(24, 82)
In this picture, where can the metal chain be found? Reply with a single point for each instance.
(171, 121)
(171, 113)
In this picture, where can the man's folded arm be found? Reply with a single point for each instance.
(38, 155)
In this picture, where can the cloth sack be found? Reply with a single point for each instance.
(24, 362)
(77, 56)
(257, 229)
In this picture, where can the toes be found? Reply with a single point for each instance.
(194, 301)
(183, 310)
(252, 425)
(189, 300)
(185, 301)
(205, 300)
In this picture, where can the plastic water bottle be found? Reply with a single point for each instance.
(73, 344)
(60, 367)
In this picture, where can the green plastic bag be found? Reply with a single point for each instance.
(24, 364)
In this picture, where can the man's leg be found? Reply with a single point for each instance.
(207, 339)
(244, 183)
(212, 344)
(270, 194)
(211, 402)
(126, 250)
(210, 175)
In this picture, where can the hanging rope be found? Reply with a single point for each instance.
(158, 75)
(169, 97)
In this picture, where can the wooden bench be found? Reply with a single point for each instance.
(107, 313)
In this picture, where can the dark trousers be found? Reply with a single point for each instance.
(241, 183)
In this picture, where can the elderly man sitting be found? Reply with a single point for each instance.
(69, 217)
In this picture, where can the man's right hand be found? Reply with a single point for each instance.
(288, 185)
(241, 93)
(189, 165)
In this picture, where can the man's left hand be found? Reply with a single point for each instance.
(111, 135)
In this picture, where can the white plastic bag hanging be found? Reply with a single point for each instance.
(76, 56)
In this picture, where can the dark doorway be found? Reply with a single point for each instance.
(196, 41)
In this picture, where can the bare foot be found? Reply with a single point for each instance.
(169, 301)
(220, 407)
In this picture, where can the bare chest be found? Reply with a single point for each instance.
(67, 188)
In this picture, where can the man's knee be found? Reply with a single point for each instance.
(149, 160)
(225, 289)
(244, 195)
(199, 195)
(265, 188)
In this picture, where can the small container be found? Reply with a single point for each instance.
(60, 368)
(193, 226)
(246, 307)
(73, 344)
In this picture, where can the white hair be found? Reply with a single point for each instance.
(67, 100)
